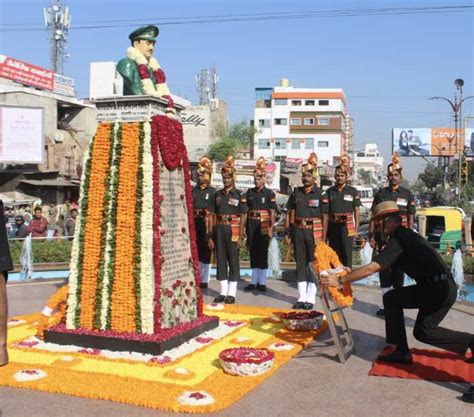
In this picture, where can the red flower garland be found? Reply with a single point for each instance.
(167, 140)
(143, 71)
(156, 221)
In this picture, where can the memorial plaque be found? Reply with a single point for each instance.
(177, 271)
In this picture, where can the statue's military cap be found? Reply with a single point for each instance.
(148, 32)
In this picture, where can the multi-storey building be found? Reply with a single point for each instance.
(370, 161)
(293, 122)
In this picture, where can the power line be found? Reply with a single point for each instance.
(270, 16)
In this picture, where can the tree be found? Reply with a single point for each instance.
(432, 176)
(226, 146)
(239, 135)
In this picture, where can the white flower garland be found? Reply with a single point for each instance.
(147, 281)
(73, 272)
(148, 87)
(108, 237)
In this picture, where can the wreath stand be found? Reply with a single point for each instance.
(340, 334)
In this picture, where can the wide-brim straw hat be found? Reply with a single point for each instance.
(384, 209)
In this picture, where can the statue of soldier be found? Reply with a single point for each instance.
(141, 72)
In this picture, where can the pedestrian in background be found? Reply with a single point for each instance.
(38, 226)
(71, 224)
(5, 266)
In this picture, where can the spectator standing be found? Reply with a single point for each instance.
(5, 266)
(38, 225)
(21, 229)
(71, 224)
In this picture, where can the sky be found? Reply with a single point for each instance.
(388, 65)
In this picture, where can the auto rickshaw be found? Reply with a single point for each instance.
(442, 226)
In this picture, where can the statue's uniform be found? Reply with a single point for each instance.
(228, 208)
(260, 204)
(132, 83)
(339, 204)
(406, 203)
(434, 293)
(306, 229)
(203, 203)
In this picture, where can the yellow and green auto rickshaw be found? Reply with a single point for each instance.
(443, 227)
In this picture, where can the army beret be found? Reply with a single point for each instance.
(148, 32)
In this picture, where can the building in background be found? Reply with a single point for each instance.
(68, 125)
(203, 126)
(368, 166)
(293, 122)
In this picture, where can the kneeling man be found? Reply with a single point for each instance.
(434, 293)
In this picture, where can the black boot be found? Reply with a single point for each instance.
(219, 299)
(397, 356)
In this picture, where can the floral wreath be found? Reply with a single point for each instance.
(54, 312)
(324, 259)
(161, 89)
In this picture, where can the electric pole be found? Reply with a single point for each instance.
(58, 19)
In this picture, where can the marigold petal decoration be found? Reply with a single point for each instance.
(187, 378)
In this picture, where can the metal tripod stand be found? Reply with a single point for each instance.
(340, 334)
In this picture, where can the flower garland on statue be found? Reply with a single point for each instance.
(161, 89)
(324, 259)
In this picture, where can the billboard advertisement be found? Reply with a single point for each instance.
(25, 73)
(245, 169)
(437, 141)
(63, 85)
(21, 135)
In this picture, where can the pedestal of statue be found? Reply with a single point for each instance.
(134, 282)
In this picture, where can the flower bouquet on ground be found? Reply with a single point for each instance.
(308, 320)
(246, 361)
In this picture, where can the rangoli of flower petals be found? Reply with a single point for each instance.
(161, 360)
(281, 346)
(215, 306)
(204, 340)
(195, 398)
(29, 375)
(15, 322)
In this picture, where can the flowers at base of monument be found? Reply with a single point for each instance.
(27, 375)
(196, 398)
(181, 296)
(54, 312)
(161, 89)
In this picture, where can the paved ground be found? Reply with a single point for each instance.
(312, 384)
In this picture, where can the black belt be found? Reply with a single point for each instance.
(442, 277)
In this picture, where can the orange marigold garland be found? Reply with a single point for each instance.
(54, 312)
(123, 301)
(93, 229)
(325, 258)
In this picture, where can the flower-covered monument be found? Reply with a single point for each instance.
(134, 280)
